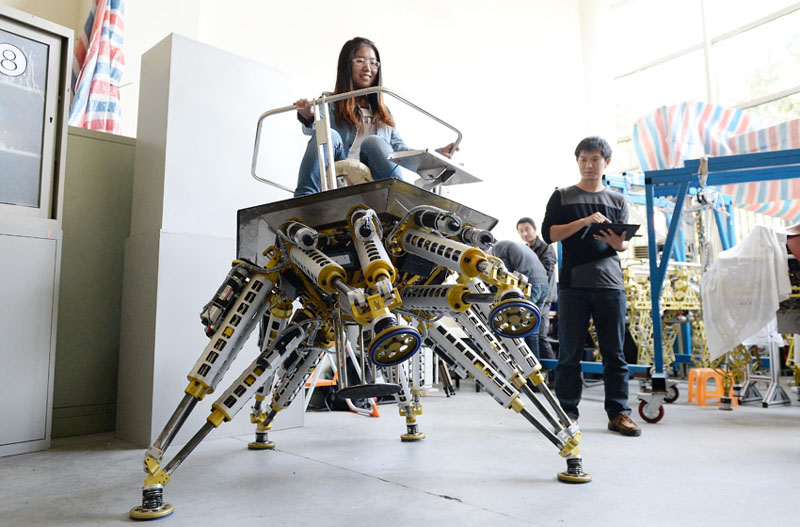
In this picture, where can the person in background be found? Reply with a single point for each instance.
(362, 128)
(517, 257)
(590, 283)
(526, 228)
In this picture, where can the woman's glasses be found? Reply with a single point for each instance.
(373, 64)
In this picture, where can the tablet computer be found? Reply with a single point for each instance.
(595, 228)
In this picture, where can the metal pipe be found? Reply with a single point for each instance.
(329, 181)
(544, 390)
(175, 422)
(188, 447)
(541, 407)
(341, 286)
(478, 298)
(329, 100)
(543, 429)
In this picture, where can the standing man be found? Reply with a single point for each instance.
(591, 284)
(517, 257)
(526, 228)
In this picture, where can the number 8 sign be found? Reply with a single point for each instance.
(12, 60)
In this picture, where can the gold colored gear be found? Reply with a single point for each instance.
(395, 349)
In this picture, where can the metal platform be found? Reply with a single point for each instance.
(390, 198)
(433, 168)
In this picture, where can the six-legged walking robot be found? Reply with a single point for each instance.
(390, 259)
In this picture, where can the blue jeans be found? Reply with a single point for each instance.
(607, 308)
(373, 153)
(545, 349)
(538, 297)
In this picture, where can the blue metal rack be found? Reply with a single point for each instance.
(677, 183)
(625, 184)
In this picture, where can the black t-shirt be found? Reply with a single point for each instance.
(586, 262)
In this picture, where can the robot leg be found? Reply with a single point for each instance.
(224, 409)
(295, 369)
(497, 355)
(230, 317)
(535, 383)
(259, 418)
(523, 358)
(285, 391)
(405, 402)
(566, 440)
(272, 325)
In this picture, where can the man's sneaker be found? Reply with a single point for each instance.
(624, 425)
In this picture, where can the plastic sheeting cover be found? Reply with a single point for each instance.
(742, 289)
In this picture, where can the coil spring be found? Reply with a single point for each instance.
(153, 497)
(575, 466)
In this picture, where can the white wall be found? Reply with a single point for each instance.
(599, 96)
(524, 80)
(508, 74)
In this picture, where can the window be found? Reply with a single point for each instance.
(643, 91)
(758, 61)
(735, 53)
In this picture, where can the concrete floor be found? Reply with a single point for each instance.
(480, 465)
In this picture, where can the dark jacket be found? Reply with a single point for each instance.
(547, 255)
(518, 257)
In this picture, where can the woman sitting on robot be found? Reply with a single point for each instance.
(362, 129)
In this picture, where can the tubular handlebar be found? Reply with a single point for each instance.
(324, 99)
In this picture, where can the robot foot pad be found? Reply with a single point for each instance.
(574, 472)
(567, 477)
(255, 445)
(410, 438)
(140, 514)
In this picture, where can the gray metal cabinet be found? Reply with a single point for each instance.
(34, 93)
(29, 271)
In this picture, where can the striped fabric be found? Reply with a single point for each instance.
(689, 130)
(97, 69)
(773, 198)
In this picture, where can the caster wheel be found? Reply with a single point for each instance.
(672, 394)
(255, 445)
(140, 514)
(410, 438)
(650, 412)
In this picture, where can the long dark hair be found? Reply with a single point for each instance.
(347, 110)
